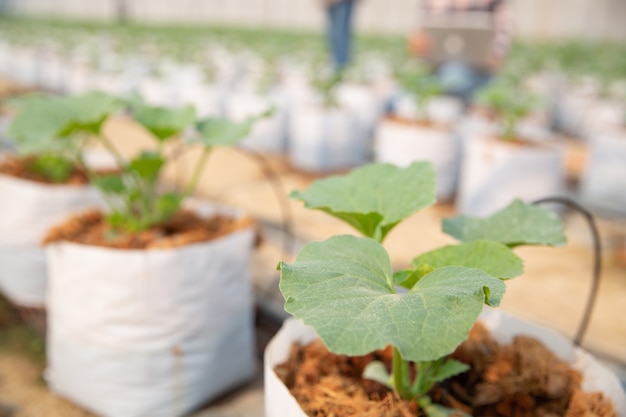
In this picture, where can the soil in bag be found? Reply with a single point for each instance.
(523, 379)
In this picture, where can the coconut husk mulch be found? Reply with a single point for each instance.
(523, 379)
(184, 228)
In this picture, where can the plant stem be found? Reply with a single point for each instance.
(400, 374)
(421, 368)
(191, 186)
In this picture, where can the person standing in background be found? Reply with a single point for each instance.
(339, 32)
(461, 78)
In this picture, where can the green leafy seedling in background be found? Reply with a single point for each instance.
(43, 125)
(346, 289)
(135, 200)
(418, 81)
(509, 103)
(325, 82)
(133, 195)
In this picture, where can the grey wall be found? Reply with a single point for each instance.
(538, 19)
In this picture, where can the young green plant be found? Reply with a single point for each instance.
(325, 82)
(510, 104)
(422, 85)
(346, 289)
(133, 194)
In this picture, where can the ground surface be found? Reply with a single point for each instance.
(552, 292)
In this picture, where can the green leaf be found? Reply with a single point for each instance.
(42, 123)
(343, 287)
(517, 224)
(377, 371)
(496, 259)
(401, 276)
(36, 125)
(166, 205)
(116, 219)
(373, 198)
(147, 165)
(110, 184)
(222, 132)
(54, 167)
(87, 112)
(163, 123)
(448, 369)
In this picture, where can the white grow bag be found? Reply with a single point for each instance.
(403, 143)
(280, 403)
(494, 172)
(323, 140)
(158, 333)
(362, 102)
(269, 134)
(28, 210)
(603, 182)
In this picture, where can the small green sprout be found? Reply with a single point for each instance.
(418, 81)
(509, 103)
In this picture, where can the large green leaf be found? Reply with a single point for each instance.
(496, 259)
(373, 198)
(87, 112)
(517, 224)
(43, 123)
(37, 123)
(343, 287)
(163, 123)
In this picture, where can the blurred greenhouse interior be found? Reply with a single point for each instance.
(547, 121)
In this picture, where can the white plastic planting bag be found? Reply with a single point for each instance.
(157, 92)
(51, 76)
(494, 172)
(572, 109)
(322, 140)
(401, 144)
(150, 333)
(28, 210)
(603, 182)
(361, 101)
(280, 403)
(269, 134)
(24, 67)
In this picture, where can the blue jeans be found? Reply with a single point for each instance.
(462, 80)
(340, 32)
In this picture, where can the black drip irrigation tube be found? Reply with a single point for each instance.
(597, 261)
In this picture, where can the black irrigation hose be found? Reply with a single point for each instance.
(597, 261)
(280, 191)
